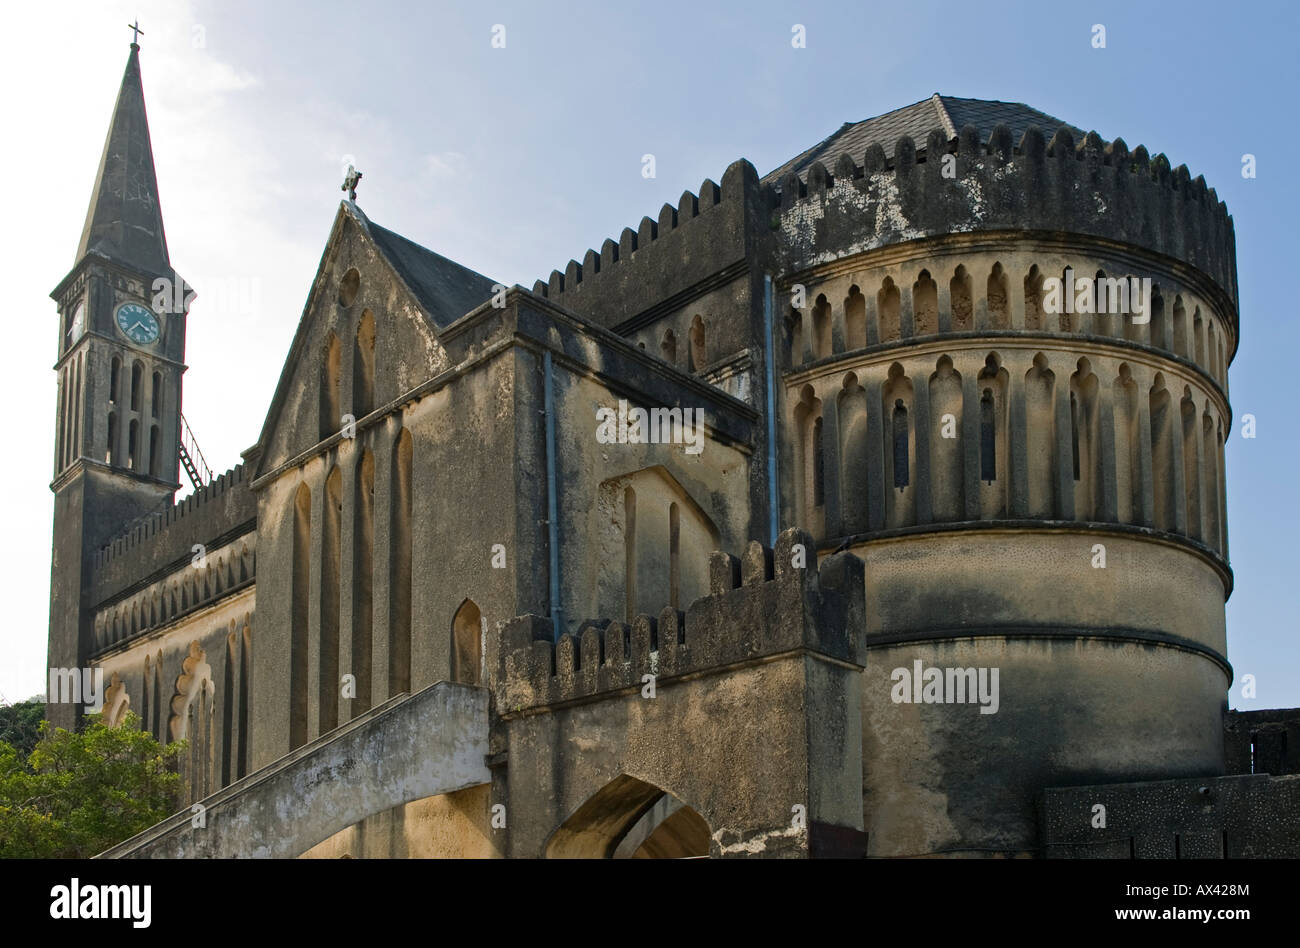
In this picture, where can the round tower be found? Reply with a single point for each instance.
(1005, 388)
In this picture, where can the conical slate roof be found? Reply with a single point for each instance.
(124, 221)
(945, 112)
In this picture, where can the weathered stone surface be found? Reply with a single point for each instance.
(1240, 817)
(430, 743)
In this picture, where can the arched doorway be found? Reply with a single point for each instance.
(629, 818)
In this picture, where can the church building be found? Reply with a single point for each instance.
(872, 507)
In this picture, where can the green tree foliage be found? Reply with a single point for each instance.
(80, 792)
(20, 725)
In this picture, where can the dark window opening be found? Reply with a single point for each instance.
(988, 444)
(901, 478)
(819, 466)
(1074, 433)
(137, 375)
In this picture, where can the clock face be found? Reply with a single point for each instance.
(78, 324)
(137, 323)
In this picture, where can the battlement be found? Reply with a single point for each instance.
(764, 604)
(687, 244)
(223, 507)
(1262, 742)
(994, 184)
(991, 183)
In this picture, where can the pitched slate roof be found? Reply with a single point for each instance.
(917, 120)
(443, 287)
(124, 221)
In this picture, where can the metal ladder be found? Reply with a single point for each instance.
(192, 458)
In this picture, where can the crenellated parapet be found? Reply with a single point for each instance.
(701, 239)
(1260, 742)
(1089, 188)
(214, 514)
(973, 182)
(771, 601)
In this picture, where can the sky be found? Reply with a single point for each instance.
(512, 160)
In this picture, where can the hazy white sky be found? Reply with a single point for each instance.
(514, 160)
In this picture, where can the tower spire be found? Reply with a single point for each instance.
(124, 221)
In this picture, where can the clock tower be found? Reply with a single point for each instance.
(121, 349)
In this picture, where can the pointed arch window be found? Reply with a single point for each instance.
(299, 617)
(988, 439)
(156, 725)
(146, 706)
(245, 697)
(61, 445)
(1162, 453)
(363, 367)
(1034, 298)
(466, 644)
(674, 554)
(821, 327)
(1074, 433)
(330, 600)
(137, 380)
(363, 583)
(331, 412)
(698, 360)
(855, 319)
(74, 448)
(925, 304)
(887, 308)
(399, 648)
(962, 300)
(996, 293)
(669, 347)
(819, 465)
(900, 438)
(228, 691)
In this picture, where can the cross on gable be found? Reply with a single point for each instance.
(350, 182)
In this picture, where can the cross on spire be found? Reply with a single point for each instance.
(136, 33)
(350, 182)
